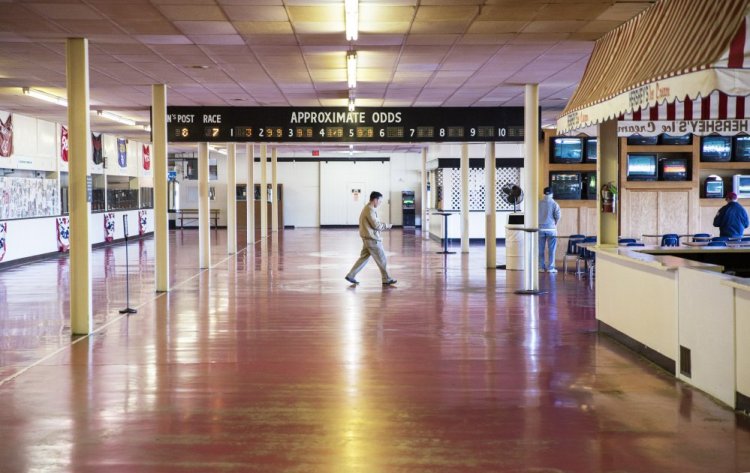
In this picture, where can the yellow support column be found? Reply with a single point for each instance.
(464, 198)
(231, 198)
(250, 148)
(263, 191)
(161, 217)
(608, 227)
(274, 193)
(204, 208)
(79, 142)
(490, 207)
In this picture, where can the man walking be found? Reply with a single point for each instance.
(370, 227)
(549, 216)
(732, 218)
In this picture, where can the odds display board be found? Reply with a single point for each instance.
(387, 124)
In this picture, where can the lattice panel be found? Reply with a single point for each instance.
(452, 177)
(505, 176)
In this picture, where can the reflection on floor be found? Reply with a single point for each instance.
(271, 362)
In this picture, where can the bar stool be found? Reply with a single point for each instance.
(445, 233)
(701, 237)
(717, 243)
(571, 250)
(670, 239)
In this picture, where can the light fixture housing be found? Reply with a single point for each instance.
(351, 9)
(351, 69)
(217, 150)
(352, 104)
(39, 95)
(116, 118)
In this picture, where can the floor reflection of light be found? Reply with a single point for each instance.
(352, 344)
(532, 335)
(352, 416)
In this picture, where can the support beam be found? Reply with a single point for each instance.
(425, 202)
(79, 139)
(250, 148)
(161, 217)
(490, 206)
(608, 226)
(465, 198)
(204, 208)
(274, 193)
(263, 191)
(531, 168)
(231, 198)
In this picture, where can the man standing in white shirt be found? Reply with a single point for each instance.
(370, 227)
(549, 216)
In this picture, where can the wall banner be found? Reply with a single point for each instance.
(682, 127)
(109, 226)
(122, 152)
(146, 157)
(3, 241)
(63, 234)
(6, 137)
(96, 149)
(64, 143)
(142, 222)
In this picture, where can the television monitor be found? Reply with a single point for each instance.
(716, 148)
(642, 167)
(741, 148)
(741, 185)
(566, 150)
(674, 169)
(676, 139)
(590, 188)
(713, 187)
(591, 151)
(566, 185)
(639, 140)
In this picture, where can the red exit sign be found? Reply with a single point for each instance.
(316, 152)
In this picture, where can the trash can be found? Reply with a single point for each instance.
(514, 237)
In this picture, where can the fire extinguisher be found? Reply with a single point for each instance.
(609, 197)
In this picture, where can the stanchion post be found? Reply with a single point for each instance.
(127, 309)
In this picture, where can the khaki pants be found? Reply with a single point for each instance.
(375, 249)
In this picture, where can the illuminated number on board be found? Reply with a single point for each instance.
(411, 130)
(322, 132)
(184, 132)
(473, 132)
(351, 132)
(260, 133)
(382, 132)
(442, 132)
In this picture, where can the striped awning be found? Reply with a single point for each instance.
(676, 51)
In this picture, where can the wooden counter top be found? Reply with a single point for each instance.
(650, 256)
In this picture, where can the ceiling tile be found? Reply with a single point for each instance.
(256, 13)
(263, 27)
(192, 12)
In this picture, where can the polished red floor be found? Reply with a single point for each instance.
(271, 362)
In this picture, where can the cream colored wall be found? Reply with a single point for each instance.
(639, 301)
(742, 340)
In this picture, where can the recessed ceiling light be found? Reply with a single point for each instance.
(199, 67)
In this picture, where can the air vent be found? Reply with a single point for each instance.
(685, 364)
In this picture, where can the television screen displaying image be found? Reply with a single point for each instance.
(714, 189)
(741, 185)
(566, 185)
(589, 186)
(741, 148)
(591, 151)
(639, 140)
(716, 148)
(676, 139)
(674, 169)
(642, 167)
(567, 150)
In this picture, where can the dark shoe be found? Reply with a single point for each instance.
(352, 280)
(389, 282)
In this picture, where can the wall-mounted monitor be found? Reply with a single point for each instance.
(566, 185)
(590, 188)
(674, 169)
(591, 151)
(638, 140)
(741, 185)
(741, 148)
(642, 167)
(566, 149)
(716, 148)
(713, 187)
(677, 139)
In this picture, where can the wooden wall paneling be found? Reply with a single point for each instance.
(707, 214)
(592, 217)
(642, 214)
(673, 212)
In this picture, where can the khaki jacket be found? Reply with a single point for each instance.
(370, 225)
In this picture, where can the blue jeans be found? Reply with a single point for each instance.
(547, 238)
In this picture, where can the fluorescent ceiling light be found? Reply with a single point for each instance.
(217, 150)
(115, 117)
(351, 104)
(351, 69)
(351, 8)
(147, 128)
(38, 94)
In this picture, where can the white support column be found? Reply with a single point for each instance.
(490, 206)
(204, 208)
(465, 198)
(263, 191)
(531, 165)
(250, 193)
(79, 136)
(161, 217)
(231, 198)
(425, 203)
(274, 193)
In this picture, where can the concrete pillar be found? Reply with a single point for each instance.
(204, 207)
(231, 198)
(490, 206)
(250, 148)
(161, 217)
(263, 191)
(532, 194)
(425, 203)
(79, 136)
(465, 198)
(274, 193)
(608, 228)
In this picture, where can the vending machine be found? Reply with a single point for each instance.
(408, 208)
